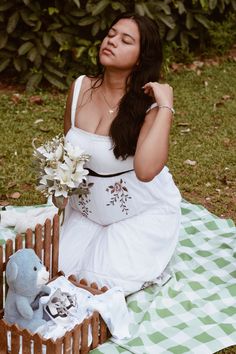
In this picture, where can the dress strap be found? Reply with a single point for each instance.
(151, 107)
(77, 86)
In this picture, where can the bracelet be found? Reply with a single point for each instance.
(170, 108)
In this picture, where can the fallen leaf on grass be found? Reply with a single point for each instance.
(226, 97)
(4, 203)
(36, 100)
(190, 162)
(182, 124)
(16, 98)
(45, 129)
(11, 184)
(38, 121)
(15, 195)
(184, 131)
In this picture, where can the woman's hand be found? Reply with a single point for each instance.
(163, 93)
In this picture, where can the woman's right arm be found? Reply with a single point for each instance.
(67, 115)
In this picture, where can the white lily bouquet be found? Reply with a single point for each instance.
(61, 171)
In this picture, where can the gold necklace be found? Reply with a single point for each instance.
(111, 109)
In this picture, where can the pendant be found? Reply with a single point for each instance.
(111, 111)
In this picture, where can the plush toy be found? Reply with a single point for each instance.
(26, 278)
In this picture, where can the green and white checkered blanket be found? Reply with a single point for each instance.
(195, 311)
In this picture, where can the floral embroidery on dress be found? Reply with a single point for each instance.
(119, 193)
(83, 201)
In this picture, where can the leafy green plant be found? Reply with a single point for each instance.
(55, 41)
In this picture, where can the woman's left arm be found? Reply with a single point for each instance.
(152, 147)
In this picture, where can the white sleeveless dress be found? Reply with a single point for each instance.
(125, 231)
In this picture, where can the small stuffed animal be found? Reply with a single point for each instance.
(26, 277)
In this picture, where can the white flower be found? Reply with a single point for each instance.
(74, 153)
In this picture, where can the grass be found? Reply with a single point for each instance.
(204, 131)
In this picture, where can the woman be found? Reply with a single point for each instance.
(125, 231)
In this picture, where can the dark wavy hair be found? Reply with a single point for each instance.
(126, 126)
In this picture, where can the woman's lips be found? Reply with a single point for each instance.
(107, 51)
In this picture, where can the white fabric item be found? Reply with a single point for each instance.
(125, 231)
(111, 305)
(29, 219)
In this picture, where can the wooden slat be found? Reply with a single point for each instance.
(104, 289)
(68, 343)
(58, 345)
(84, 337)
(103, 331)
(37, 344)
(8, 253)
(76, 339)
(29, 238)
(55, 245)
(38, 240)
(95, 329)
(83, 282)
(47, 244)
(3, 337)
(18, 242)
(15, 340)
(26, 339)
(1, 278)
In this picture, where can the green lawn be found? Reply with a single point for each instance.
(204, 131)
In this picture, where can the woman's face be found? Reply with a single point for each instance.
(120, 49)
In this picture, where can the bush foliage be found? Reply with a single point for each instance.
(56, 40)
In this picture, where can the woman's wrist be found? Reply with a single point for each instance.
(169, 107)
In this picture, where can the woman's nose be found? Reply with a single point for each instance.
(112, 41)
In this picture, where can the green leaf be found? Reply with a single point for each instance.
(53, 10)
(12, 22)
(33, 81)
(87, 21)
(25, 17)
(77, 52)
(172, 33)
(53, 70)
(139, 9)
(25, 47)
(184, 40)
(6, 6)
(181, 7)
(147, 12)
(212, 4)
(40, 47)
(4, 64)
(118, 6)
(26, 2)
(202, 19)
(100, 7)
(37, 26)
(47, 39)
(233, 3)
(95, 28)
(55, 81)
(164, 7)
(54, 26)
(3, 39)
(77, 3)
(167, 20)
(32, 53)
(189, 21)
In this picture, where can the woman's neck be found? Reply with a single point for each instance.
(114, 82)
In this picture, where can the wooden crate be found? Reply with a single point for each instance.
(45, 241)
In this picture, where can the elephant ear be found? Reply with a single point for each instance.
(11, 271)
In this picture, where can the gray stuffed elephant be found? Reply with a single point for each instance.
(26, 278)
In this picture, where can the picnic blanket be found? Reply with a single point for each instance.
(195, 311)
